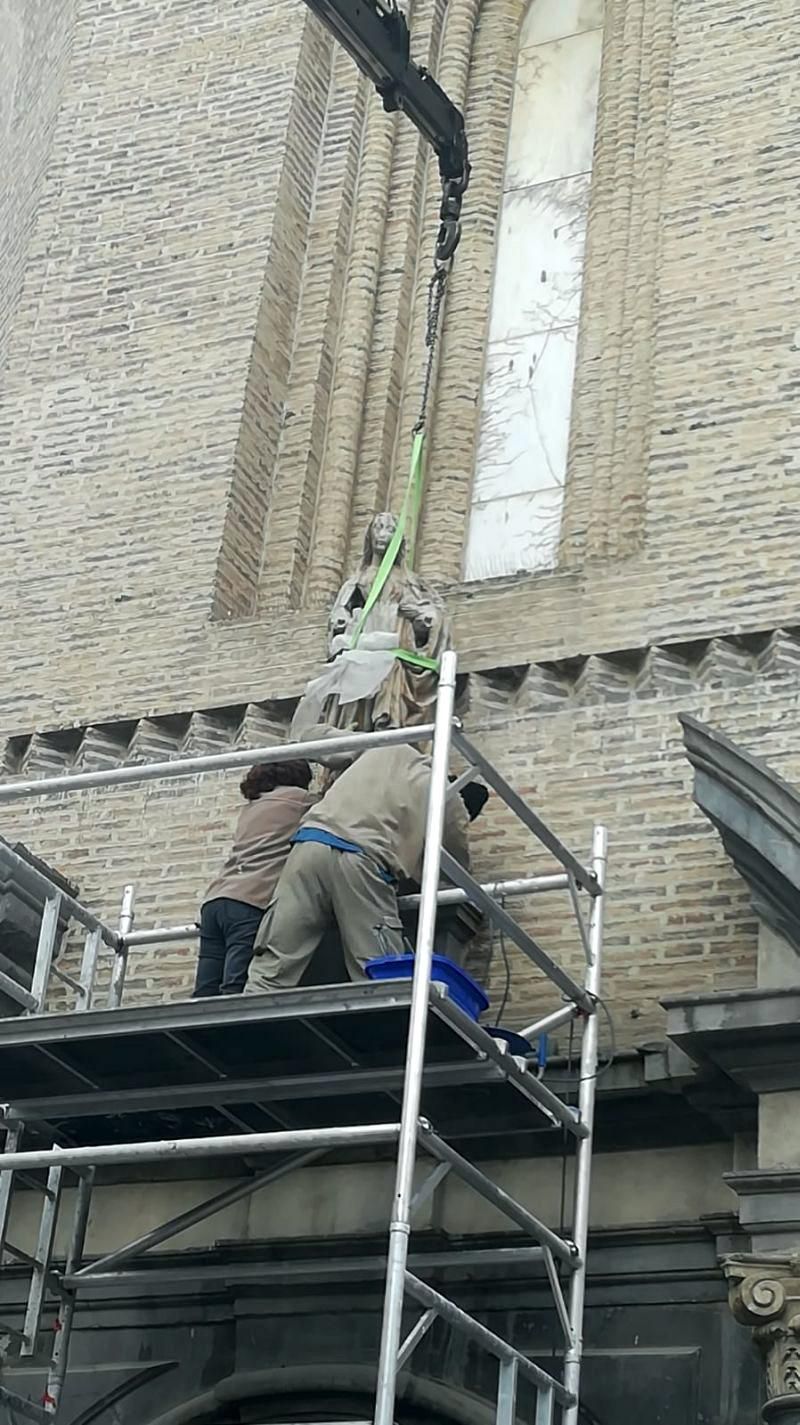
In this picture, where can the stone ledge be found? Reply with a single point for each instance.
(752, 1036)
(553, 685)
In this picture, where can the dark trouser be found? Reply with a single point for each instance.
(227, 932)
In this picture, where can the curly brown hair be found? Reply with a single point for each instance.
(266, 776)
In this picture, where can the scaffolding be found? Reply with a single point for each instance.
(442, 1063)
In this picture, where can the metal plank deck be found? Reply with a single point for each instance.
(302, 1059)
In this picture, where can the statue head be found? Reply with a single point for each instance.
(378, 537)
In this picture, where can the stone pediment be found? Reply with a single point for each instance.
(757, 815)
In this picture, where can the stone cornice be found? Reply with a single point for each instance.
(491, 691)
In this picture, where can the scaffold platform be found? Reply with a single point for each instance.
(301, 1060)
(255, 1087)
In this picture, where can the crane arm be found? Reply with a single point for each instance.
(376, 35)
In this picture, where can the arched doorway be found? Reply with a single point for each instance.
(332, 1395)
(314, 1394)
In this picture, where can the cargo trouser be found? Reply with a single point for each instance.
(319, 884)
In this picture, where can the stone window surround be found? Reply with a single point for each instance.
(606, 482)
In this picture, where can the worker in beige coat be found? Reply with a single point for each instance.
(364, 836)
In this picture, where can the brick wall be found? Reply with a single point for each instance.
(133, 340)
(149, 411)
(34, 57)
(601, 744)
(204, 398)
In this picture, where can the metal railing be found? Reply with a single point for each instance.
(412, 1134)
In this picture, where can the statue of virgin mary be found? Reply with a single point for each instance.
(383, 667)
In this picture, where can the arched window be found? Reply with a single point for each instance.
(527, 392)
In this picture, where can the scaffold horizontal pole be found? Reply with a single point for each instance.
(498, 1260)
(213, 762)
(176, 1149)
(448, 895)
(260, 1090)
(549, 1022)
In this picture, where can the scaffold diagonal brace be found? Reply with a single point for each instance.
(526, 814)
(415, 1335)
(23, 1409)
(501, 918)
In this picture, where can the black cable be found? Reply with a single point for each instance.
(604, 1068)
(507, 988)
(612, 1033)
(436, 288)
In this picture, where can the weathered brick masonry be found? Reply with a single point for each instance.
(601, 741)
(214, 346)
(35, 43)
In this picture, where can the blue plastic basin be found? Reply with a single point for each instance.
(463, 990)
(516, 1043)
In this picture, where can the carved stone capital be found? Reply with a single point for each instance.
(764, 1293)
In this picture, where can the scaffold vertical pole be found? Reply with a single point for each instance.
(91, 950)
(117, 986)
(48, 934)
(41, 1263)
(586, 1104)
(12, 1143)
(507, 1381)
(59, 1357)
(400, 1225)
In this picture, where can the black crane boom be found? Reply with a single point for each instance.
(376, 35)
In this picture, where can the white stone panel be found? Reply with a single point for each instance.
(554, 110)
(527, 393)
(525, 414)
(514, 534)
(540, 259)
(553, 19)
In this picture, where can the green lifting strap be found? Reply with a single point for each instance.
(409, 516)
(417, 660)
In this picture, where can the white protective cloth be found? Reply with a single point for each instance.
(355, 673)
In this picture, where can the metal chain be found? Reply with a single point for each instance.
(436, 288)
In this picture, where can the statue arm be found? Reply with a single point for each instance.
(344, 613)
(423, 612)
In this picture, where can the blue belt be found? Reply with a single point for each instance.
(351, 848)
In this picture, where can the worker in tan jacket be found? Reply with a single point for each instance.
(364, 836)
(277, 797)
